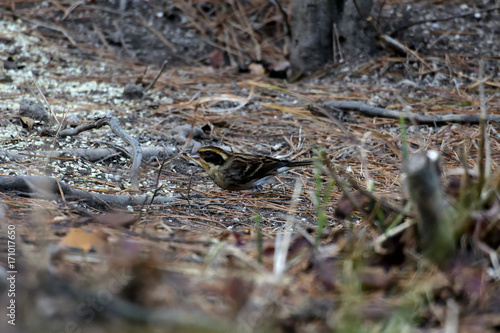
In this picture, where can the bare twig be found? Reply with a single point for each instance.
(482, 130)
(61, 192)
(71, 8)
(374, 111)
(163, 66)
(285, 17)
(404, 49)
(47, 187)
(112, 122)
(91, 155)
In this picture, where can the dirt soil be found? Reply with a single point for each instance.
(202, 259)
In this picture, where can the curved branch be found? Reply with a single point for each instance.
(42, 187)
(113, 123)
(373, 111)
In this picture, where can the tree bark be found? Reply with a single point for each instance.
(315, 42)
(312, 26)
(356, 35)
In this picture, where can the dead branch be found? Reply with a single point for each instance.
(48, 188)
(112, 122)
(91, 155)
(400, 47)
(162, 69)
(373, 111)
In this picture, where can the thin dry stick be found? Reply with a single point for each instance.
(157, 188)
(63, 198)
(285, 17)
(404, 49)
(377, 243)
(234, 40)
(52, 113)
(113, 123)
(57, 4)
(47, 187)
(337, 47)
(189, 139)
(163, 66)
(91, 155)
(466, 179)
(374, 111)
(485, 81)
(250, 32)
(189, 193)
(71, 8)
(47, 102)
(482, 129)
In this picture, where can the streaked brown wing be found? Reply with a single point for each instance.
(251, 169)
(239, 166)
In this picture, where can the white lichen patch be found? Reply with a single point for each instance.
(71, 89)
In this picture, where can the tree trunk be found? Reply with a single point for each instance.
(311, 24)
(357, 36)
(313, 37)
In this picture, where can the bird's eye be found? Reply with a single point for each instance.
(212, 157)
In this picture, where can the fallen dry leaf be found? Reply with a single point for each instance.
(85, 240)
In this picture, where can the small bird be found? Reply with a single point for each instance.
(235, 172)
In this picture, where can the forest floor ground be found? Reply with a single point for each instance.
(209, 260)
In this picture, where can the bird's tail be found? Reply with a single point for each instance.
(295, 164)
